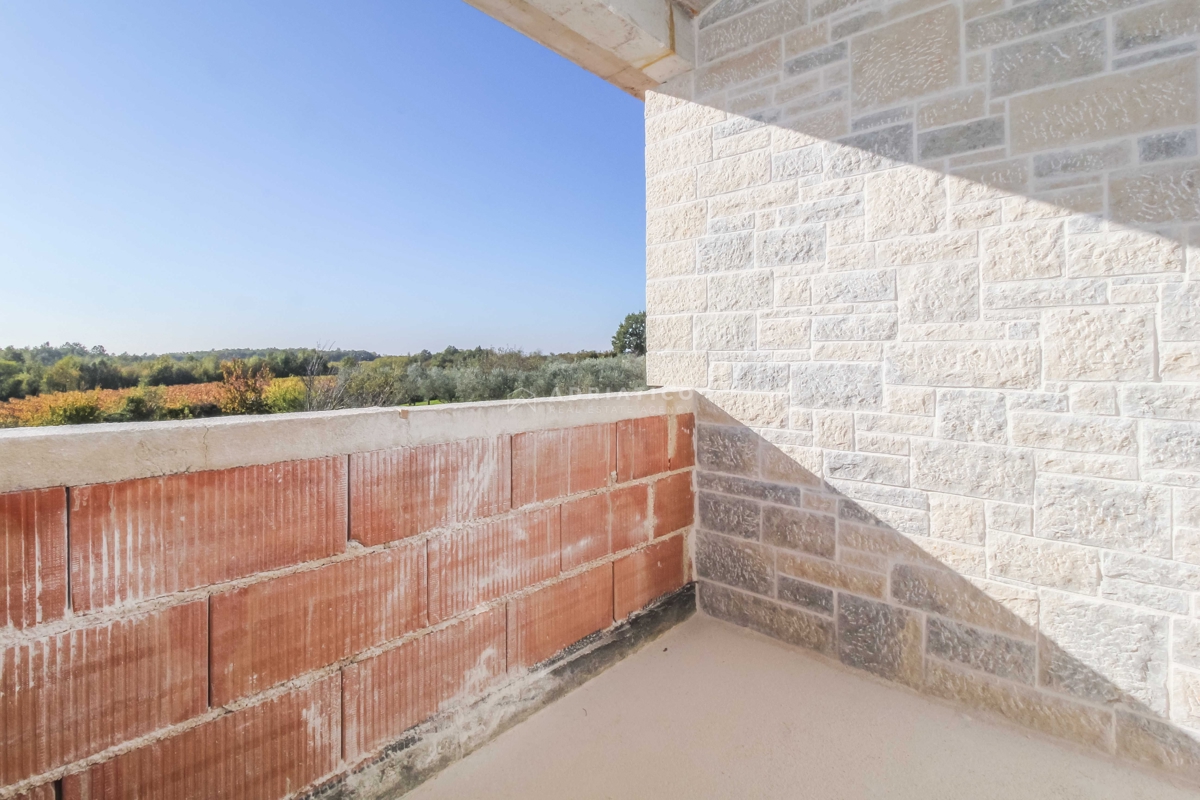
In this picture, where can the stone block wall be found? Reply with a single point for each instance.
(269, 629)
(935, 267)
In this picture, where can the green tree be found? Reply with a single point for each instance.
(11, 379)
(65, 376)
(631, 335)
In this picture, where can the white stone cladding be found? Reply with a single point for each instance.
(945, 257)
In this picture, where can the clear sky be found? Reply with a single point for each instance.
(381, 175)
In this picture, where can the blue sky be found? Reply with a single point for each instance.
(389, 176)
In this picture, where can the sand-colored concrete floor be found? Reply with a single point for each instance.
(714, 711)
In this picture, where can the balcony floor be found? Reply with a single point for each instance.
(714, 711)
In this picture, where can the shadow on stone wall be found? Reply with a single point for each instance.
(783, 552)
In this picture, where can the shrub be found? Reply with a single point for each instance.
(285, 394)
(72, 408)
(143, 404)
(243, 387)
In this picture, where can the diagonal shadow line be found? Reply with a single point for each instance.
(783, 552)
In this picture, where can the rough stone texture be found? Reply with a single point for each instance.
(1173, 446)
(996, 473)
(908, 59)
(1099, 345)
(868, 286)
(972, 416)
(795, 529)
(963, 138)
(1181, 312)
(999, 365)
(1053, 58)
(1157, 96)
(852, 386)
(879, 638)
(1104, 652)
(729, 515)
(957, 298)
(1078, 723)
(727, 449)
(1123, 252)
(957, 107)
(1025, 251)
(1077, 433)
(903, 202)
(937, 590)
(1110, 514)
(956, 518)
(735, 563)
(1160, 22)
(1162, 193)
(1042, 563)
(981, 226)
(764, 616)
(833, 575)
(1157, 743)
(1162, 146)
(981, 650)
(1082, 160)
(806, 595)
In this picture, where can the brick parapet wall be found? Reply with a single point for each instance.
(257, 630)
(943, 258)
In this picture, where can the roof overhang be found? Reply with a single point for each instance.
(633, 44)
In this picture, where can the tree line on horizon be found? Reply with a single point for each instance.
(337, 378)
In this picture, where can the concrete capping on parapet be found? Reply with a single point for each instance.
(35, 458)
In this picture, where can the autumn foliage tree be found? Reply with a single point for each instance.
(243, 388)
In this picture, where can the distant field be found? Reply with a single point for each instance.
(67, 393)
(128, 405)
(190, 401)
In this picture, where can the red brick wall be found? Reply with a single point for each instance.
(253, 632)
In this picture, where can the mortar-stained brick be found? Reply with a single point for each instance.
(278, 629)
(683, 452)
(543, 623)
(491, 559)
(387, 694)
(549, 464)
(33, 566)
(586, 530)
(400, 493)
(68, 696)
(674, 503)
(648, 574)
(144, 538)
(630, 516)
(269, 750)
(642, 447)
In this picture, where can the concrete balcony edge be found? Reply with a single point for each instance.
(35, 458)
(633, 44)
